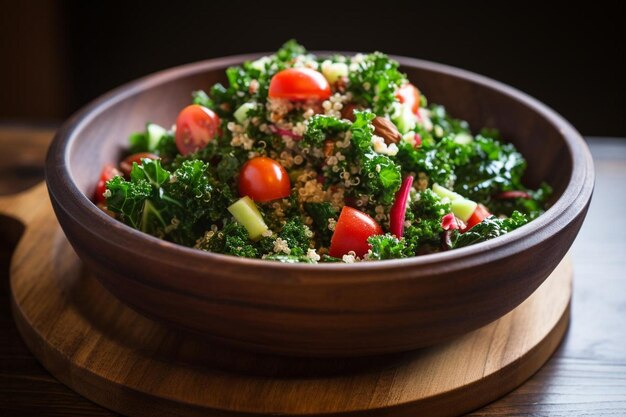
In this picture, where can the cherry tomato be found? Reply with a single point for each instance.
(127, 164)
(299, 84)
(195, 127)
(480, 213)
(263, 179)
(351, 233)
(108, 171)
(410, 95)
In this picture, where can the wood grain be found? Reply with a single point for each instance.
(107, 352)
(586, 377)
(329, 309)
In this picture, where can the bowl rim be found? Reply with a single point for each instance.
(566, 208)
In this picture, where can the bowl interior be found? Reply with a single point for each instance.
(103, 136)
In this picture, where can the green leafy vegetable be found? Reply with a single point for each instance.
(388, 247)
(321, 213)
(489, 228)
(321, 126)
(375, 82)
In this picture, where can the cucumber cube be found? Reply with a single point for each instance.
(463, 138)
(155, 133)
(445, 193)
(248, 215)
(334, 70)
(463, 208)
(241, 114)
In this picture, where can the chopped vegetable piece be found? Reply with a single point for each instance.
(479, 214)
(463, 208)
(351, 233)
(248, 215)
(505, 195)
(444, 192)
(448, 222)
(398, 210)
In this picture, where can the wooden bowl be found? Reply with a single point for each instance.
(325, 309)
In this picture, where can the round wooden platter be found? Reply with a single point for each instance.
(114, 356)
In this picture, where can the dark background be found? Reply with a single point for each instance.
(56, 56)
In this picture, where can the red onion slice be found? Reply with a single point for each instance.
(398, 209)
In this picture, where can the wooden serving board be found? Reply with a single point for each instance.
(112, 355)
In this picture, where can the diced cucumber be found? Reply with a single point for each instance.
(404, 119)
(241, 114)
(445, 193)
(155, 133)
(463, 208)
(409, 137)
(248, 215)
(334, 70)
(260, 63)
(463, 138)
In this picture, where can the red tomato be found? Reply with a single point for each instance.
(410, 95)
(108, 172)
(351, 233)
(127, 164)
(195, 127)
(299, 84)
(479, 214)
(263, 179)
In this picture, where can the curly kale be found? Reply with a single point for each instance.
(425, 212)
(297, 235)
(429, 159)
(380, 174)
(321, 213)
(231, 240)
(489, 167)
(388, 246)
(177, 206)
(489, 228)
(375, 81)
(128, 199)
(320, 126)
(290, 50)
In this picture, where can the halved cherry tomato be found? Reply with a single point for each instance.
(195, 127)
(480, 213)
(299, 84)
(127, 164)
(263, 179)
(351, 233)
(108, 172)
(410, 95)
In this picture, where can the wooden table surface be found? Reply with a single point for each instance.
(586, 376)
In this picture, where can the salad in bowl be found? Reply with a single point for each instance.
(307, 159)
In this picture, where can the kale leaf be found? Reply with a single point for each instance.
(231, 240)
(381, 176)
(177, 206)
(489, 228)
(424, 213)
(297, 235)
(320, 126)
(127, 199)
(388, 246)
(375, 81)
(321, 213)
